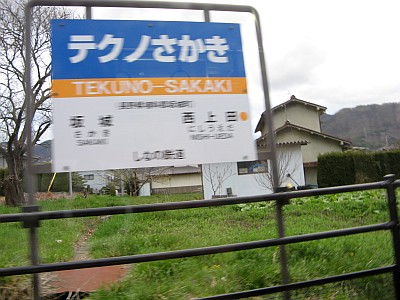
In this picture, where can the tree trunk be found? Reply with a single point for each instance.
(13, 186)
(133, 189)
(13, 191)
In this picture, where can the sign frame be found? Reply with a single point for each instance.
(205, 7)
(88, 4)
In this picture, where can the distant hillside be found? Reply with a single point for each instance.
(373, 126)
(43, 151)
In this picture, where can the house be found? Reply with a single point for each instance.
(299, 141)
(176, 180)
(252, 178)
(96, 180)
(298, 120)
(162, 180)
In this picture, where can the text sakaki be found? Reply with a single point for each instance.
(101, 87)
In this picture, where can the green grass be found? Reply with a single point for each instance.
(57, 237)
(228, 272)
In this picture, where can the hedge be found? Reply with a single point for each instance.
(60, 183)
(343, 168)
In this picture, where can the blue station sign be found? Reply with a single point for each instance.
(157, 93)
(143, 49)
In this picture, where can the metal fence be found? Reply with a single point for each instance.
(31, 215)
(31, 218)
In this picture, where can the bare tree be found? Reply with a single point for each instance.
(13, 88)
(135, 179)
(286, 167)
(216, 176)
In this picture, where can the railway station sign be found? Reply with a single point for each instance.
(130, 94)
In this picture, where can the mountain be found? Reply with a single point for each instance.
(372, 126)
(42, 151)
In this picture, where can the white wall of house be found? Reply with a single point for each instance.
(319, 145)
(95, 179)
(294, 154)
(246, 184)
(241, 185)
(171, 181)
(177, 180)
(145, 190)
(316, 144)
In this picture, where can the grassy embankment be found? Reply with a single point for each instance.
(222, 273)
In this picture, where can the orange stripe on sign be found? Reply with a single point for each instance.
(101, 87)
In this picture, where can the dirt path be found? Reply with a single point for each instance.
(82, 280)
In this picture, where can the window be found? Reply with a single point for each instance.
(252, 167)
(88, 177)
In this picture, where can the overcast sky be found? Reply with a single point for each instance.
(335, 53)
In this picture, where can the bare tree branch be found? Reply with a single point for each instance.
(286, 166)
(135, 179)
(13, 89)
(216, 175)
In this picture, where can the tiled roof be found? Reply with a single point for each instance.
(181, 170)
(293, 99)
(262, 142)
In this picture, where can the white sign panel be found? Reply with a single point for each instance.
(131, 94)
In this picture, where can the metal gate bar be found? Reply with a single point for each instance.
(101, 262)
(31, 217)
(88, 4)
(393, 225)
(115, 210)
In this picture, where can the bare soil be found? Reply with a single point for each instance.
(71, 282)
(82, 280)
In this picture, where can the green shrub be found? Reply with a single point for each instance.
(392, 162)
(109, 189)
(365, 168)
(356, 167)
(335, 169)
(112, 191)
